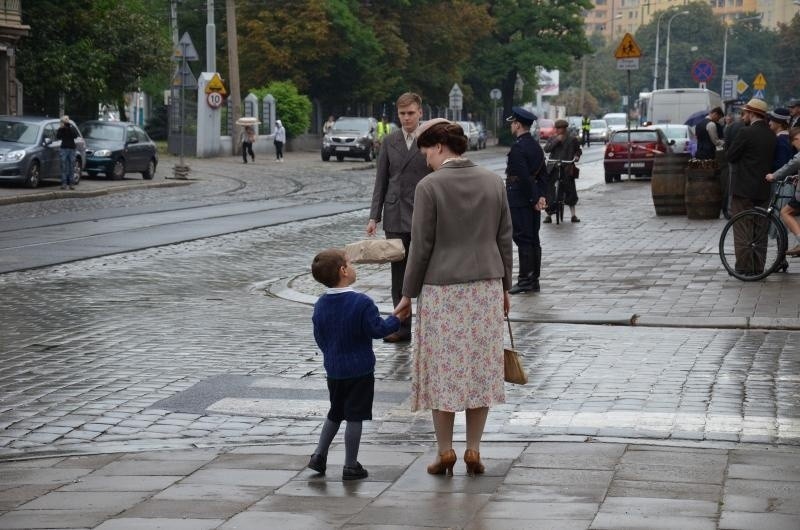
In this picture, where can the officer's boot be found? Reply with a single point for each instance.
(523, 284)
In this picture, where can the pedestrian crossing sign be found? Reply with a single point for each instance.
(628, 49)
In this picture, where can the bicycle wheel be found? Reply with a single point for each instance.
(559, 205)
(752, 245)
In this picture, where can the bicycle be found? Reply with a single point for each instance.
(753, 243)
(558, 185)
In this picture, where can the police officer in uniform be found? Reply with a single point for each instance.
(526, 187)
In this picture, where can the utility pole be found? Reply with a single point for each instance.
(211, 39)
(233, 65)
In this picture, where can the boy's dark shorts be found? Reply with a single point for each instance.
(794, 203)
(351, 399)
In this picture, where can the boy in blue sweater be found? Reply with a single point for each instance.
(345, 323)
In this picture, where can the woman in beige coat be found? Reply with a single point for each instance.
(459, 269)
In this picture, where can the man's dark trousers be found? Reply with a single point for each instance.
(398, 272)
(525, 222)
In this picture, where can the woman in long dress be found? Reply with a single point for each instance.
(459, 270)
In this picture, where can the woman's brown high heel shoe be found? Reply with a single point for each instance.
(444, 464)
(473, 461)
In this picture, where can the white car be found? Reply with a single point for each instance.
(680, 137)
(617, 121)
(598, 131)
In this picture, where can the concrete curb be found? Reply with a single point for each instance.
(51, 195)
(281, 288)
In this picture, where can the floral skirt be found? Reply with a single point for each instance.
(458, 347)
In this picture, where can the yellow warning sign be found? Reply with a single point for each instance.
(760, 83)
(215, 85)
(628, 49)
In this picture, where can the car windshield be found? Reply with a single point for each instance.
(636, 136)
(598, 124)
(101, 131)
(543, 123)
(615, 120)
(350, 125)
(18, 132)
(464, 126)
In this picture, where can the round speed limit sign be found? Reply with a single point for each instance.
(214, 100)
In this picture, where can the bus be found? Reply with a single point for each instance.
(642, 104)
(675, 105)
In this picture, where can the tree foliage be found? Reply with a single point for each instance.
(291, 107)
(88, 53)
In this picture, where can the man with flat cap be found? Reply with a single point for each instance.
(794, 110)
(526, 187)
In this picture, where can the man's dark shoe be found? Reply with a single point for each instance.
(355, 472)
(397, 336)
(547, 220)
(575, 219)
(535, 286)
(521, 287)
(318, 463)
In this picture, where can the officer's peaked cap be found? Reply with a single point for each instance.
(523, 116)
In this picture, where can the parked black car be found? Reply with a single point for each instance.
(118, 147)
(29, 151)
(351, 137)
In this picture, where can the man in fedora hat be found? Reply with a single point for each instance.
(751, 153)
(526, 187)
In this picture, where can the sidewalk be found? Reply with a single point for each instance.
(558, 484)
(621, 267)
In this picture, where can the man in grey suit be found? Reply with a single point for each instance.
(400, 167)
(751, 153)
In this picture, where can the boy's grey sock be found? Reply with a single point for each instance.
(352, 439)
(329, 430)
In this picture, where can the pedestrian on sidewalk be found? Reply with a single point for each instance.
(526, 186)
(248, 138)
(400, 167)
(280, 139)
(459, 270)
(67, 133)
(563, 146)
(751, 153)
(709, 134)
(345, 323)
(791, 210)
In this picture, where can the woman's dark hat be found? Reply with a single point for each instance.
(780, 114)
(523, 116)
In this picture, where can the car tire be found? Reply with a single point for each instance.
(34, 176)
(77, 171)
(368, 156)
(150, 172)
(339, 157)
(325, 156)
(609, 178)
(117, 169)
(618, 178)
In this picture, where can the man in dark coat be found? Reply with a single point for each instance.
(709, 135)
(526, 187)
(751, 154)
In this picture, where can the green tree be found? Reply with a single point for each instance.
(89, 53)
(528, 35)
(787, 50)
(291, 107)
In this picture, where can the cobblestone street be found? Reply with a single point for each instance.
(638, 336)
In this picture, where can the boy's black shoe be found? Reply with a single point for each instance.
(318, 463)
(355, 472)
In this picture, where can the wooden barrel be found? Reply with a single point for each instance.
(703, 191)
(668, 184)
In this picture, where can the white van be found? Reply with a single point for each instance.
(675, 105)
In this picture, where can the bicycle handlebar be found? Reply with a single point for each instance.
(557, 161)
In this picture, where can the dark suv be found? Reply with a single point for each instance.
(350, 137)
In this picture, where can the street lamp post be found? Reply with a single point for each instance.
(725, 49)
(669, 28)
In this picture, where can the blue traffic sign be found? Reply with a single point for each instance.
(758, 94)
(702, 71)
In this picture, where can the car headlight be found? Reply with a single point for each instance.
(102, 153)
(15, 156)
